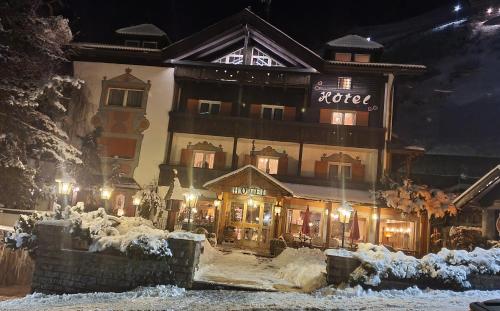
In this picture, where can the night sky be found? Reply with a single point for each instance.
(310, 22)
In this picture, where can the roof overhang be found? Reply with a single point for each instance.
(480, 188)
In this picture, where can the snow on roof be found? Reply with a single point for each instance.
(142, 30)
(249, 166)
(354, 41)
(322, 193)
(490, 179)
(380, 65)
(87, 45)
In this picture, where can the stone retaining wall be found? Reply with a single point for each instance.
(339, 268)
(60, 269)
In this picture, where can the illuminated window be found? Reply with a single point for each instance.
(203, 159)
(344, 83)
(343, 57)
(272, 112)
(260, 58)
(209, 107)
(268, 165)
(362, 58)
(234, 58)
(343, 118)
(125, 97)
(339, 170)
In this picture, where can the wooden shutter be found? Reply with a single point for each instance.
(220, 160)
(192, 106)
(289, 114)
(321, 169)
(283, 166)
(186, 157)
(225, 108)
(325, 116)
(255, 111)
(358, 172)
(362, 118)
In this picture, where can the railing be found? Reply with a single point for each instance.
(286, 131)
(196, 177)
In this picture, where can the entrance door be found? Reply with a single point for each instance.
(253, 222)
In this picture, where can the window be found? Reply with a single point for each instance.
(344, 83)
(362, 58)
(209, 107)
(134, 43)
(203, 159)
(268, 165)
(236, 211)
(260, 58)
(343, 118)
(252, 213)
(150, 44)
(125, 97)
(343, 57)
(234, 58)
(339, 171)
(272, 112)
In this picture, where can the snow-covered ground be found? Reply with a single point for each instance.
(173, 298)
(293, 270)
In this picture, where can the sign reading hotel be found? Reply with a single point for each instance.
(249, 191)
(326, 92)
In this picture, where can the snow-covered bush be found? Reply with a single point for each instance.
(133, 236)
(451, 267)
(467, 238)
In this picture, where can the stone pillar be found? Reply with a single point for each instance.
(489, 224)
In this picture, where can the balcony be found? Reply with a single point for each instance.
(198, 176)
(286, 131)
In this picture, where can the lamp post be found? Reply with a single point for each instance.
(105, 196)
(345, 211)
(64, 187)
(190, 199)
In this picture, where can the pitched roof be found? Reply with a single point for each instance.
(142, 30)
(354, 41)
(480, 188)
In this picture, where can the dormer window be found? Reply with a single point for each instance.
(343, 57)
(150, 44)
(258, 58)
(344, 83)
(362, 58)
(133, 43)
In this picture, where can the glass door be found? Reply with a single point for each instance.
(252, 221)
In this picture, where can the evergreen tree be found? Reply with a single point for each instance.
(33, 101)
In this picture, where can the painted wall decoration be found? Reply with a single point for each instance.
(363, 93)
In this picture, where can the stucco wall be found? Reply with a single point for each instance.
(158, 105)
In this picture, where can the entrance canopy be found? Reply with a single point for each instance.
(249, 179)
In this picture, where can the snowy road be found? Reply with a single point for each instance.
(173, 298)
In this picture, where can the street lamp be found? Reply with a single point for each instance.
(105, 196)
(344, 212)
(190, 199)
(64, 187)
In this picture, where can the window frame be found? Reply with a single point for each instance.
(125, 97)
(267, 164)
(356, 55)
(155, 43)
(210, 104)
(205, 153)
(340, 84)
(343, 112)
(347, 54)
(273, 108)
(339, 169)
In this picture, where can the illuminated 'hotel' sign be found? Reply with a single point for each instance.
(248, 191)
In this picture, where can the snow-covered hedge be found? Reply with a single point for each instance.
(133, 236)
(450, 267)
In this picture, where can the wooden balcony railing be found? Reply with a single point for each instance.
(286, 131)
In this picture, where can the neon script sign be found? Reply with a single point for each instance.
(327, 94)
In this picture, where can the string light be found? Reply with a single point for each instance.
(457, 8)
(489, 10)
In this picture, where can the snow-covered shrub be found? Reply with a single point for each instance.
(24, 236)
(467, 238)
(451, 267)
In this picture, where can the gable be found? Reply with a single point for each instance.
(248, 31)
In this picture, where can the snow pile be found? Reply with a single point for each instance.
(184, 235)
(303, 267)
(448, 266)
